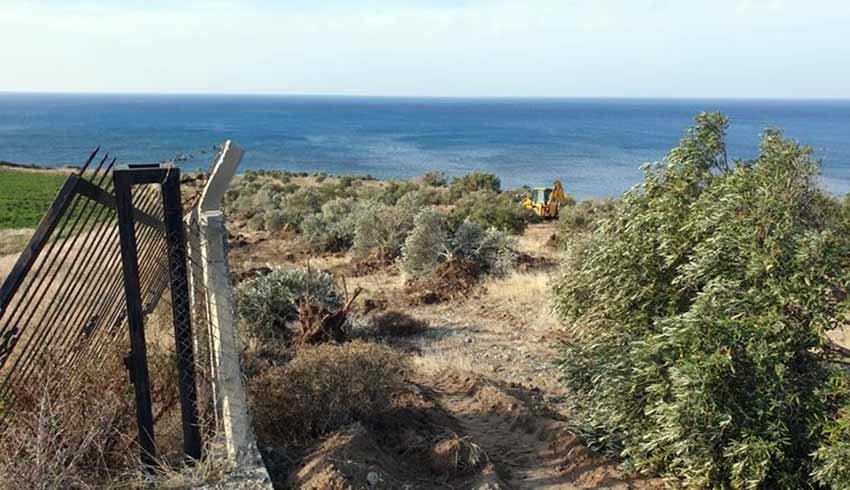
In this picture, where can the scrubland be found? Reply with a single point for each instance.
(431, 333)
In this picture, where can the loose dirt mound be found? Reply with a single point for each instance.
(416, 445)
(365, 267)
(458, 431)
(529, 263)
(530, 451)
(397, 324)
(451, 280)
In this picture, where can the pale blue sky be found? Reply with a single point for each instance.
(572, 48)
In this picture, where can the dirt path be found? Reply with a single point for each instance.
(484, 379)
(529, 450)
(509, 400)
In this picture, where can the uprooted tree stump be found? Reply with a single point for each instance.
(319, 325)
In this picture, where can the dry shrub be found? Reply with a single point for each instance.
(323, 388)
(268, 304)
(320, 323)
(450, 280)
(455, 455)
(76, 428)
(65, 432)
(397, 324)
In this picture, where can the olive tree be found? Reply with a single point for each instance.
(698, 310)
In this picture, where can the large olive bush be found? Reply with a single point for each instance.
(331, 230)
(269, 303)
(380, 229)
(493, 209)
(698, 310)
(431, 243)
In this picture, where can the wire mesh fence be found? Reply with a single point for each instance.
(65, 308)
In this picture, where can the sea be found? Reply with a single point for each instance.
(594, 146)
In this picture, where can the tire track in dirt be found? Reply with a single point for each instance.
(529, 451)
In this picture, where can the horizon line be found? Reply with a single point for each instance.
(419, 96)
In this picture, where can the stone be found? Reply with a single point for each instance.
(373, 478)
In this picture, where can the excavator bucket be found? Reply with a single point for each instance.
(558, 196)
(546, 202)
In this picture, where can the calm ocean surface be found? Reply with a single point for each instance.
(594, 145)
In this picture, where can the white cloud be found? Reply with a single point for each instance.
(533, 47)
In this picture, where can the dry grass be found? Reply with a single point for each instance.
(537, 240)
(77, 428)
(323, 388)
(6, 264)
(211, 470)
(397, 324)
(522, 295)
(69, 432)
(12, 242)
(435, 362)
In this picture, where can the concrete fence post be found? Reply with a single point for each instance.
(225, 353)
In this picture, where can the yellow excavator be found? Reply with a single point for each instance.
(546, 201)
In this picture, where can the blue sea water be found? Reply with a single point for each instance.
(595, 146)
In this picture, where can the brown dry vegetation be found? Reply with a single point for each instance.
(397, 324)
(322, 389)
(474, 399)
(455, 393)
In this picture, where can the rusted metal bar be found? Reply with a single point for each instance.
(137, 362)
(95, 311)
(48, 318)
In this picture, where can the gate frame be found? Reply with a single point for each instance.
(168, 177)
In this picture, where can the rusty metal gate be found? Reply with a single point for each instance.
(109, 251)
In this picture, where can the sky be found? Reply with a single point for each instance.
(535, 48)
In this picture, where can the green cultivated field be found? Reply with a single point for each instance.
(25, 196)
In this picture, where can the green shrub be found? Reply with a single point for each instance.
(832, 457)
(697, 314)
(380, 229)
(295, 207)
(289, 188)
(267, 304)
(492, 209)
(431, 243)
(491, 249)
(393, 191)
(428, 244)
(434, 179)
(331, 230)
(583, 217)
(273, 187)
(274, 220)
(474, 181)
(330, 191)
(257, 222)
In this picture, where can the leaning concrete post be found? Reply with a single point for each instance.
(226, 346)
